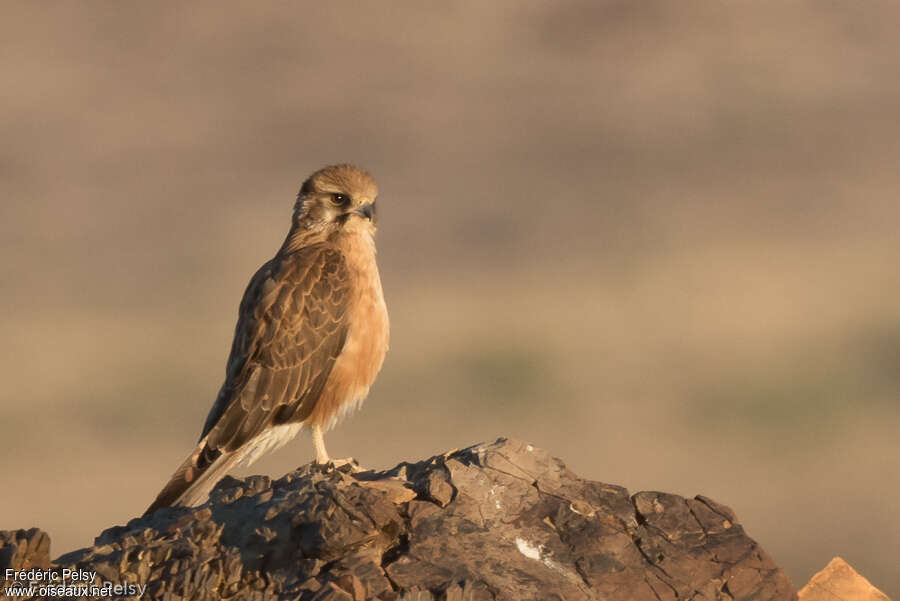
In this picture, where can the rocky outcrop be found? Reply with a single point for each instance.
(498, 521)
(840, 582)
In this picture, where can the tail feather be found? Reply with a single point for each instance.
(196, 476)
(192, 481)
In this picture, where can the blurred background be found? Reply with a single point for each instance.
(657, 239)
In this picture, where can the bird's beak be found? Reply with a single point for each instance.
(367, 210)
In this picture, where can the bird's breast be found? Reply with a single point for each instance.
(366, 345)
(367, 340)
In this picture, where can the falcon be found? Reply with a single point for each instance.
(311, 336)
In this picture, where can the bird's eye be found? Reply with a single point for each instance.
(341, 200)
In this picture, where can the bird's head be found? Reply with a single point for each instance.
(340, 197)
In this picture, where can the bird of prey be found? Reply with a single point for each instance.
(311, 335)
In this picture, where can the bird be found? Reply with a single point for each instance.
(311, 336)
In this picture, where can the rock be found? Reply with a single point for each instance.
(840, 582)
(498, 521)
(24, 549)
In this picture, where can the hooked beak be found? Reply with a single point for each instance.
(367, 210)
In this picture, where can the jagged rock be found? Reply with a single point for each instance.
(24, 549)
(498, 521)
(840, 582)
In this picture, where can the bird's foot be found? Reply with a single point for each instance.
(348, 466)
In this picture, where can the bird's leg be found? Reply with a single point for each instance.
(319, 441)
(322, 457)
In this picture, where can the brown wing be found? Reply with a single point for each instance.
(291, 328)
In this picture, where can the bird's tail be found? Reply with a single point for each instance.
(194, 478)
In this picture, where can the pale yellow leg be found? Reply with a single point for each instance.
(319, 441)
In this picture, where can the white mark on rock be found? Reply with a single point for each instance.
(493, 493)
(538, 553)
(530, 448)
(527, 549)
